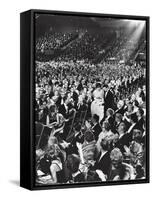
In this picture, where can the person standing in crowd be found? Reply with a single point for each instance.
(96, 126)
(108, 98)
(97, 106)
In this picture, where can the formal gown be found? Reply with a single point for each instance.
(97, 106)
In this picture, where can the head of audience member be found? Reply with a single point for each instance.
(98, 85)
(122, 128)
(109, 112)
(62, 94)
(53, 150)
(120, 104)
(95, 119)
(105, 87)
(144, 89)
(133, 98)
(127, 101)
(139, 90)
(73, 162)
(135, 103)
(66, 100)
(130, 107)
(136, 150)
(137, 135)
(53, 109)
(116, 157)
(77, 128)
(133, 118)
(105, 144)
(56, 93)
(52, 140)
(118, 118)
(88, 136)
(105, 126)
(140, 113)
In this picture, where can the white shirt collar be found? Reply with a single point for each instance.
(131, 127)
(102, 154)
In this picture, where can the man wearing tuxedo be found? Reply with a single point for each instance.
(118, 120)
(68, 114)
(103, 161)
(96, 127)
(108, 98)
(120, 107)
(122, 138)
(63, 107)
(140, 122)
(110, 118)
(133, 121)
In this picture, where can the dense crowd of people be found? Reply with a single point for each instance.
(90, 119)
(53, 41)
(82, 44)
(94, 120)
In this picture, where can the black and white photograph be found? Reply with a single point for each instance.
(76, 100)
(91, 99)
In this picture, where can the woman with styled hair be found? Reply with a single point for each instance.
(119, 170)
(106, 132)
(50, 164)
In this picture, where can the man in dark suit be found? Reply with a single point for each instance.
(123, 137)
(108, 98)
(133, 121)
(120, 107)
(110, 118)
(63, 108)
(118, 120)
(103, 161)
(96, 127)
(68, 112)
(140, 123)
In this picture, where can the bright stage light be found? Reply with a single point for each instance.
(134, 23)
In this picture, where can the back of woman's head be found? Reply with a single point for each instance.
(106, 126)
(73, 162)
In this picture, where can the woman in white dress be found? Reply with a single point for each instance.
(97, 106)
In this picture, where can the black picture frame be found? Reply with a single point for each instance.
(27, 97)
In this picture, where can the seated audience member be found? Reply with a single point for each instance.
(136, 155)
(110, 118)
(133, 122)
(72, 172)
(118, 169)
(140, 122)
(122, 137)
(88, 162)
(118, 120)
(50, 163)
(106, 132)
(103, 160)
(63, 108)
(120, 107)
(88, 137)
(128, 113)
(135, 106)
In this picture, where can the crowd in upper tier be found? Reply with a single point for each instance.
(77, 45)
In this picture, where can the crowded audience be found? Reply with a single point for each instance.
(89, 117)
